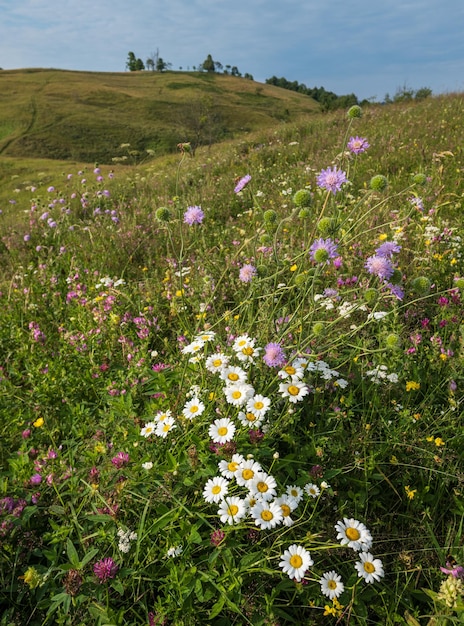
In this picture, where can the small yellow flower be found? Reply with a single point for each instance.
(443, 356)
(329, 610)
(393, 460)
(39, 422)
(439, 442)
(411, 385)
(293, 267)
(383, 236)
(100, 448)
(410, 492)
(32, 578)
(179, 293)
(416, 416)
(453, 261)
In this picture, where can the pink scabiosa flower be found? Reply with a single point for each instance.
(322, 250)
(105, 569)
(121, 459)
(331, 179)
(357, 145)
(193, 215)
(379, 266)
(242, 183)
(247, 273)
(274, 356)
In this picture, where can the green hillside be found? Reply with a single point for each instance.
(85, 116)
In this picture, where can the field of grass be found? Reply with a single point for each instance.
(231, 385)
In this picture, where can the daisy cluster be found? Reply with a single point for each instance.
(296, 560)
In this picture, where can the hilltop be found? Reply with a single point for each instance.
(86, 116)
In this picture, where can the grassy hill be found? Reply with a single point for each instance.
(85, 116)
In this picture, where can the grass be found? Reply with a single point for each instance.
(117, 320)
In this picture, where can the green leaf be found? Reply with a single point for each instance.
(72, 554)
(217, 607)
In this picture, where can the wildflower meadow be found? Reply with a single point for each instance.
(231, 385)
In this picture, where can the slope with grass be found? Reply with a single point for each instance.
(86, 116)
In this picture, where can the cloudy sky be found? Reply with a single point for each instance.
(366, 47)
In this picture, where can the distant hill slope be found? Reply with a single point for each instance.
(86, 116)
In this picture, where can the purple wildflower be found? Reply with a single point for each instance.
(242, 183)
(379, 266)
(357, 145)
(217, 537)
(457, 571)
(417, 202)
(121, 459)
(387, 249)
(247, 273)
(332, 180)
(274, 355)
(193, 215)
(322, 250)
(105, 569)
(396, 290)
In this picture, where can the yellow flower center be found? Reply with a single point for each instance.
(233, 466)
(251, 417)
(293, 390)
(353, 534)
(369, 567)
(248, 351)
(236, 395)
(259, 405)
(193, 409)
(267, 515)
(247, 474)
(262, 486)
(296, 561)
(285, 510)
(233, 376)
(217, 362)
(331, 584)
(242, 342)
(290, 370)
(232, 509)
(222, 431)
(216, 489)
(166, 427)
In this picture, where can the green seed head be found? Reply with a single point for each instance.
(304, 213)
(321, 255)
(270, 216)
(421, 285)
(419, 179)
(318, 328)
(302, 198)
(459, 282)
(354, 112)
(393, 341)
(327, 226)
(371, 295)
(265, 239)
(262, 270)
(378, 182)
(301, 279)
(163, 214)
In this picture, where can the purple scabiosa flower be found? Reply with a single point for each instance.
(105, 569)
(242, 183)
(274, 355)
(247, 273)
(417, 202)
(331, 179)
(357, 145)
(380, 266)
(322, 250)
(193, 215)
(396, 290)
(387, 249)
(121, 459)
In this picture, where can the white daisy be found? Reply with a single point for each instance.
(230, 468)
(248, 353)
(162, 415)
(247, 471)
(162, 428)
(193, 347)
(266, 514)
(148, 429)
(353, 534)
(294, 390)
(222, 430)
(331, 584)
(263, 486)
(292, 370)
(233, 374)
(295, 561)
(312, 490)
(193, 408)
(369, 568)
(215, 489)
(287, 505)
(258, 404)
(207, 335)
(231, 510)
(295, 492)
(238, 394)
(249, 419)
(215, 363)
(242, 341)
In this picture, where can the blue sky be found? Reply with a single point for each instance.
(366, 47)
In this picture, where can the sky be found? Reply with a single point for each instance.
(366, 47)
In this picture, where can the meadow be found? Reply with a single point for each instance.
(231, 384)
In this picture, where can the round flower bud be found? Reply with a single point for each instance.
(419, 179)
(378, 182)
(163, 214)
(304, 213)
(393, 341)
(321, 255)
(262, 270)
(371, 295)
(459, 282)
(318, 328)
(265, 239)
(326, 226)
(421, 285)
(396, 277)
(354, 112)
(300, 279)
(302, 198)
(270, 216)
